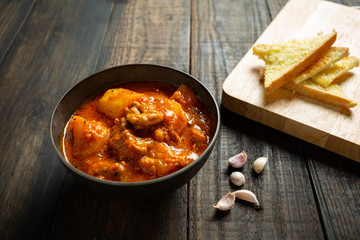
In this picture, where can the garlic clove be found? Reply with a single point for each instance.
(247, 195)
(259, 164)
(226, 202)
(239, 160)
(237, 178)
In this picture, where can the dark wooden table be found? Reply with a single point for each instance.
(48, 46)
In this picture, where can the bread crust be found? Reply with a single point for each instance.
(285, 78)
(322, 63)
(322, 95)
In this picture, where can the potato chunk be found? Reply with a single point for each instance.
(90, 137)
(115, 101)
(185, 96)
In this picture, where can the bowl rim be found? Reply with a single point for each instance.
(208, 150)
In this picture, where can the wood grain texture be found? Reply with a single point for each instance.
(12, 16)
(328, 172)
(284, 190)
(48, 55)
(284, 206)
(154, 32)
(326, 126)
(336, 182)
(83, 214)
(47, 46)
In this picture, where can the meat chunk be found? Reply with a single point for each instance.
(108, 170)
(89, 136)
(126, 144)
(153, 157)
(161, 134)
(162, 159)
(170, 154)
(157, 167)
(175, 119)
(141, 115)
(198, 134)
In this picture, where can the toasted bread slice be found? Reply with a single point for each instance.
(332, 94)
(286, 60)
(324, 61)
(327, 76)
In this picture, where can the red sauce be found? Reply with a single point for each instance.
(137, 132)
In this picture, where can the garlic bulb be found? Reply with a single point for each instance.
(247, 195)
(226, 202)
(237, 178)
(259, 164)
(239, 160)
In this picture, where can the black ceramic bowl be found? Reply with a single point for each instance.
(115, 76)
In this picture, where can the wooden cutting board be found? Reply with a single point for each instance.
(329, 127)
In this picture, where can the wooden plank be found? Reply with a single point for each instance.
(326, 126)
(350, 3)
(154, 32)
(335, 182)
(48, 55)
(12, 15)
(337, 186)
(83, 214)
(284, 189)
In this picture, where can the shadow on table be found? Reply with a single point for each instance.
(83, 214)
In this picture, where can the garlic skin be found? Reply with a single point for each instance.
(239, 160)
(246, 195)
(259, 164)
(237, 178)
(226, 203)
